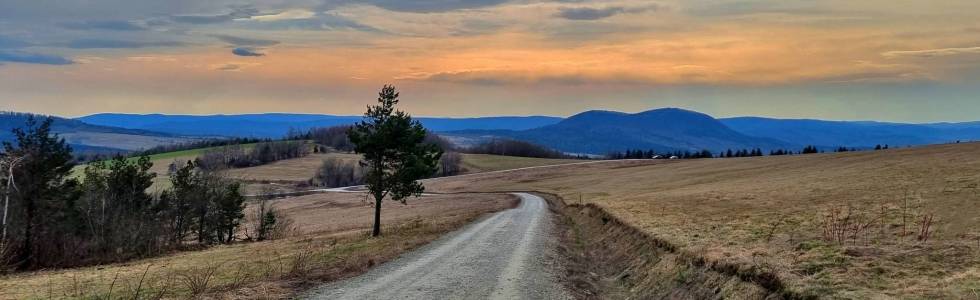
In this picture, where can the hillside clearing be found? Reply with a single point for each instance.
(772, 213)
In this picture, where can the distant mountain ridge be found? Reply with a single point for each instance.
(594, 132)
(275, 125)
(858, 134)
(88, 137)
(667, 129)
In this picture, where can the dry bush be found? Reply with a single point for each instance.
(450, 164)
(197, 280)
(302, 262)
(257, 223)
(285, 227)
(846, 223)
(241, 276)
(336, 172)
(925, 227)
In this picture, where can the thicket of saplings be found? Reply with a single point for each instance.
(237, 156)
(55, 219)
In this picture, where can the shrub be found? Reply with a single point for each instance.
(335, 172)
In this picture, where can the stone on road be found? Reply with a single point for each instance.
(510, 255)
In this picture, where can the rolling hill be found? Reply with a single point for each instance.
(667, 129)
(592, 132)
(860, 134)
(85, 137)
(275, 125)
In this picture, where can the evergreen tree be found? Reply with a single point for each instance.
(394, 152)
(42, 189)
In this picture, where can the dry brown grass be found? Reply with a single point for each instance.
(295, 170)
(334, 243)
(292, 174)
(770, 212)
(479, 163)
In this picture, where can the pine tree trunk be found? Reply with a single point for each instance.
(377, 216)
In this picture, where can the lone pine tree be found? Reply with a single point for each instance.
(395, 154)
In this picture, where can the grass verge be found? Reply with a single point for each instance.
(609, 259)
(263, 270)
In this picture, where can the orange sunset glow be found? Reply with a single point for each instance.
(492, 56)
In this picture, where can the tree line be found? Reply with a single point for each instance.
(53, 219)
(653, 154)
(510, 147)
(209, 143)
(730, 153)
(237, 156)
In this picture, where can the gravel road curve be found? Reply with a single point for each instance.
(509, 255)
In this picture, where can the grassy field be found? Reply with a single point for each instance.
(330, 242)
(133, 142)
(848, 225)
(161, 163)
(285, 175)
(478, 163)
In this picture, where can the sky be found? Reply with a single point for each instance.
(905, 61)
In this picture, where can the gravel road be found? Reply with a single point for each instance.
(509, 255)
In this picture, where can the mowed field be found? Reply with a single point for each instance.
(840, 225)
(329, 240)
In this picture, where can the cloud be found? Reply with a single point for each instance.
(241, 41)
(233, 66)
(119, 44)
(33, 58)
(589, 13)
(293, 14)
(321, 22)
(428, 6)
(152, 58)
(244, 12)
(246, 51)
(586, 13)
(742, 8)
(103, 25)
(12, 43)
(508, 77)
(928, 53)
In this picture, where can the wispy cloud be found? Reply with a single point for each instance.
(926, 53)
(152, 58)
(429, 6)
(236, 13)
(242, 41)
(119, 44)
(104, 25)
(233, 66)
(33, 58)
(293, 14)
(591, 13)
(246, 51)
